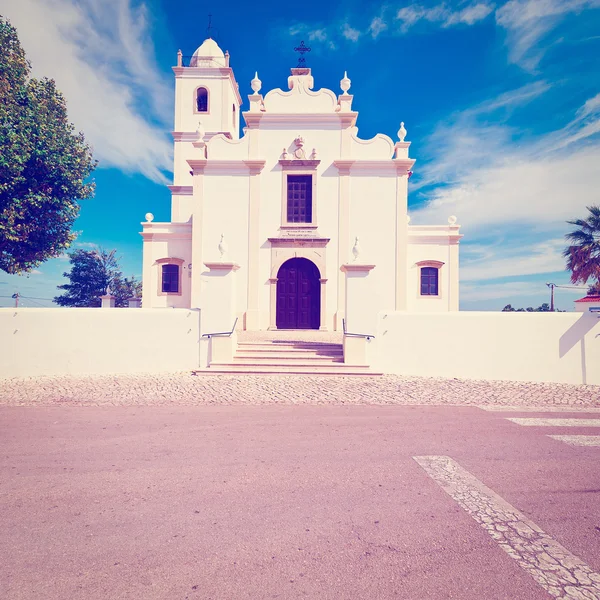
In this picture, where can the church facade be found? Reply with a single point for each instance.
(291, 207)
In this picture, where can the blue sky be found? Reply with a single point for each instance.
(501, 101)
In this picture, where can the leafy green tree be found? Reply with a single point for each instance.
(43, 163)
(583, 254)
(545, 307)
(93, 272)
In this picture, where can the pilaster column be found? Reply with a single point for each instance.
(344, 167)
(401, 240)
(453, 266)
(253, 309)
(198, 167)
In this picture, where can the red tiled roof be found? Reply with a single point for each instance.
(589, 299)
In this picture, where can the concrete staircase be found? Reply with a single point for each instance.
(315, 353)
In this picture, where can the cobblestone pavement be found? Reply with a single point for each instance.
(187, 389)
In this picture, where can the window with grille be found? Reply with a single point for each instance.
(202, 100)
(299, 199)
(429, 281)
(170, 279)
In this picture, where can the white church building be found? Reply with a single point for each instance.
(278, 223)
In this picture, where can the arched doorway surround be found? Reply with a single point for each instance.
(298, 295)
(313, 250)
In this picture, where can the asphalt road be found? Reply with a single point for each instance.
(295, 502)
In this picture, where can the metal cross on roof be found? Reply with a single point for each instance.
(301, 49)
(210, 27)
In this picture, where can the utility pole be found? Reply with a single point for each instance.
(551, 286)
(16, 297)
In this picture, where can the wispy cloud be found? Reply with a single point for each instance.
(101, 55)
(392, 21)
(442, 15)
(527, 259)
(528, 22)
(350, 33)
(513, 199)
(488, 181)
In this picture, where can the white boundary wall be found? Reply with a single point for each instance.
(78, 341)
(543, 347)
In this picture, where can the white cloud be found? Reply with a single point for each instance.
(512, 200)
(488, 181)
(442, 14)
(469, 15)
(350, 33)
(527, 259)
(318, 34)
(528, 22)
(101, 56)
(377, 27)
(510, 291)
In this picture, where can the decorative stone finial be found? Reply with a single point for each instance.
(285, 155)
(345, 83)
(407, 219)
(223, 247)
(356, 249)
(108, 292)
(313, 156)
(256, 84)
(200, 131)
(401, 132)
(149, 217)
(452, 220)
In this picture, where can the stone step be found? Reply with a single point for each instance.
(288, 360)
(233, 369)
(285, 353)
(297, 346)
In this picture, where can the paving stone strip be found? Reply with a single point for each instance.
(560, 573)
(167, 389)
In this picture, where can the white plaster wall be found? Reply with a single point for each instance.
(428, 251)
(544, 347)
(167, 248)
(373, 220)
(78, 341)
(225, 211)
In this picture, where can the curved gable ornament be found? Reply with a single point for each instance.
(300, 98)
(380, 147)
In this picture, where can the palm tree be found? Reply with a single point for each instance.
(583, 255)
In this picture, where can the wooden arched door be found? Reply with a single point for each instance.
(298, 295)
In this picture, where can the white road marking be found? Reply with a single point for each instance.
(541, 409)
(578, 440)
(560, 573)
(534, 422)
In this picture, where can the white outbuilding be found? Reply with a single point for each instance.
(281, 224)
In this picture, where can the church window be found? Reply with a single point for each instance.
(299, 199)
(170, 279)
(429, 281)
(201, 100)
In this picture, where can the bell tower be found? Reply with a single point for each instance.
(206, 91)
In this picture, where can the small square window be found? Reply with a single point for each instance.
(170, 279)
(429, 281)
(299, 198)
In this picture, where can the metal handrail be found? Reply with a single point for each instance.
(363, 335)
(221, 333)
